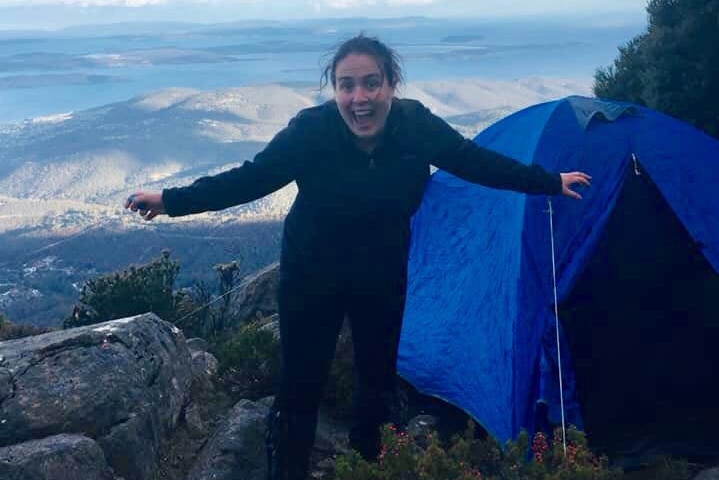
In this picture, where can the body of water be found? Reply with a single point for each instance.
(47, 73)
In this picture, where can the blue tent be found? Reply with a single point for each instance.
(479, 327)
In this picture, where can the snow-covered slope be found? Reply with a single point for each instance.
(88, 161)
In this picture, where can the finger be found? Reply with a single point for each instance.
(580, 178)
(586, 179)
(572, 194)
(151, 215)
(583, 181)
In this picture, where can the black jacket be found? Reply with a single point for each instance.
(353, 208)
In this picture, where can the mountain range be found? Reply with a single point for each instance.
(63, 179)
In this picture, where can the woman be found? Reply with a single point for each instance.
(361, 163)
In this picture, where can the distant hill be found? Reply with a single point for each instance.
(63, 179)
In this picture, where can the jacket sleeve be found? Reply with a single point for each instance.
(461, 157)
(274, 167)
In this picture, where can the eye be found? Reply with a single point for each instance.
(373, 83)
(346, 86)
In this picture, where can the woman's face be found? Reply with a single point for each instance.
(363, 96)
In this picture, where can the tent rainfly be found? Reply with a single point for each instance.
(636, 271)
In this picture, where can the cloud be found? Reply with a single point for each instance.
(341, 4)
(399, 3)
(347, 4)
(87, 3)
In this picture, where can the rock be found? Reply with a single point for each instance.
(60, 457)
(204, 366)
(197, 345)
(197, 426)
(203, 391)
(710, 474)
(332, 436)
(259, 297)
(122, 383)
(331, 440)
(237, 448)
(420, 426)
(204, 370)
(272, 324)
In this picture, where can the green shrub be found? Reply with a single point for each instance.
(249, 361)
(467, 458)
(12, 331)
(199, 312)
(194, 311)
(147, 288)
(671, 469)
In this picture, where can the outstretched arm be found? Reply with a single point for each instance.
(459, 156)
(274, 167)
(148, 204)
(570, 179)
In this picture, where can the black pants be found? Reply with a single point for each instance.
(310, 322)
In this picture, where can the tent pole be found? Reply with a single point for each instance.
(556, 324)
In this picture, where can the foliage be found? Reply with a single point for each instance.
(674, 66)
(195, 317)
(12, 331)
(468, 458)
(148, 288)
(228, 275)
(201, 315)
(672, 469)
(249, 361)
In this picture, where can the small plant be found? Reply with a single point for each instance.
(467, 458)
(12, 331)
(147, 288)
(668, 468)
(249, 361)
(200, 312)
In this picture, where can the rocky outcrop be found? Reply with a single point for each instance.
(710, 474)
(237, 448)
(122, 384)
(258, 298)
(60, 457)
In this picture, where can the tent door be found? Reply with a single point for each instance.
(642, 323)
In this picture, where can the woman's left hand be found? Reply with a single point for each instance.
(570, 179)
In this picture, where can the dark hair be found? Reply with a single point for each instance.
(387, 59)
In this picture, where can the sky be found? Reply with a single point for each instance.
(53, 14)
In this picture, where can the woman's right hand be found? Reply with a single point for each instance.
(148, 205)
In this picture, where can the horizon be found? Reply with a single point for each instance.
(56, 15)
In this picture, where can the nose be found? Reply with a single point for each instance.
(360, 95)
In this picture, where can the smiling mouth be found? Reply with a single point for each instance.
(362, 117)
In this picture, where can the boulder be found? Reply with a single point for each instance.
(197, 345)
(258, 298)
(59, 457)
(198, 412)
(272, 324)
(237, 448)
(122, 383)
(204, 366)
(710, 474)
